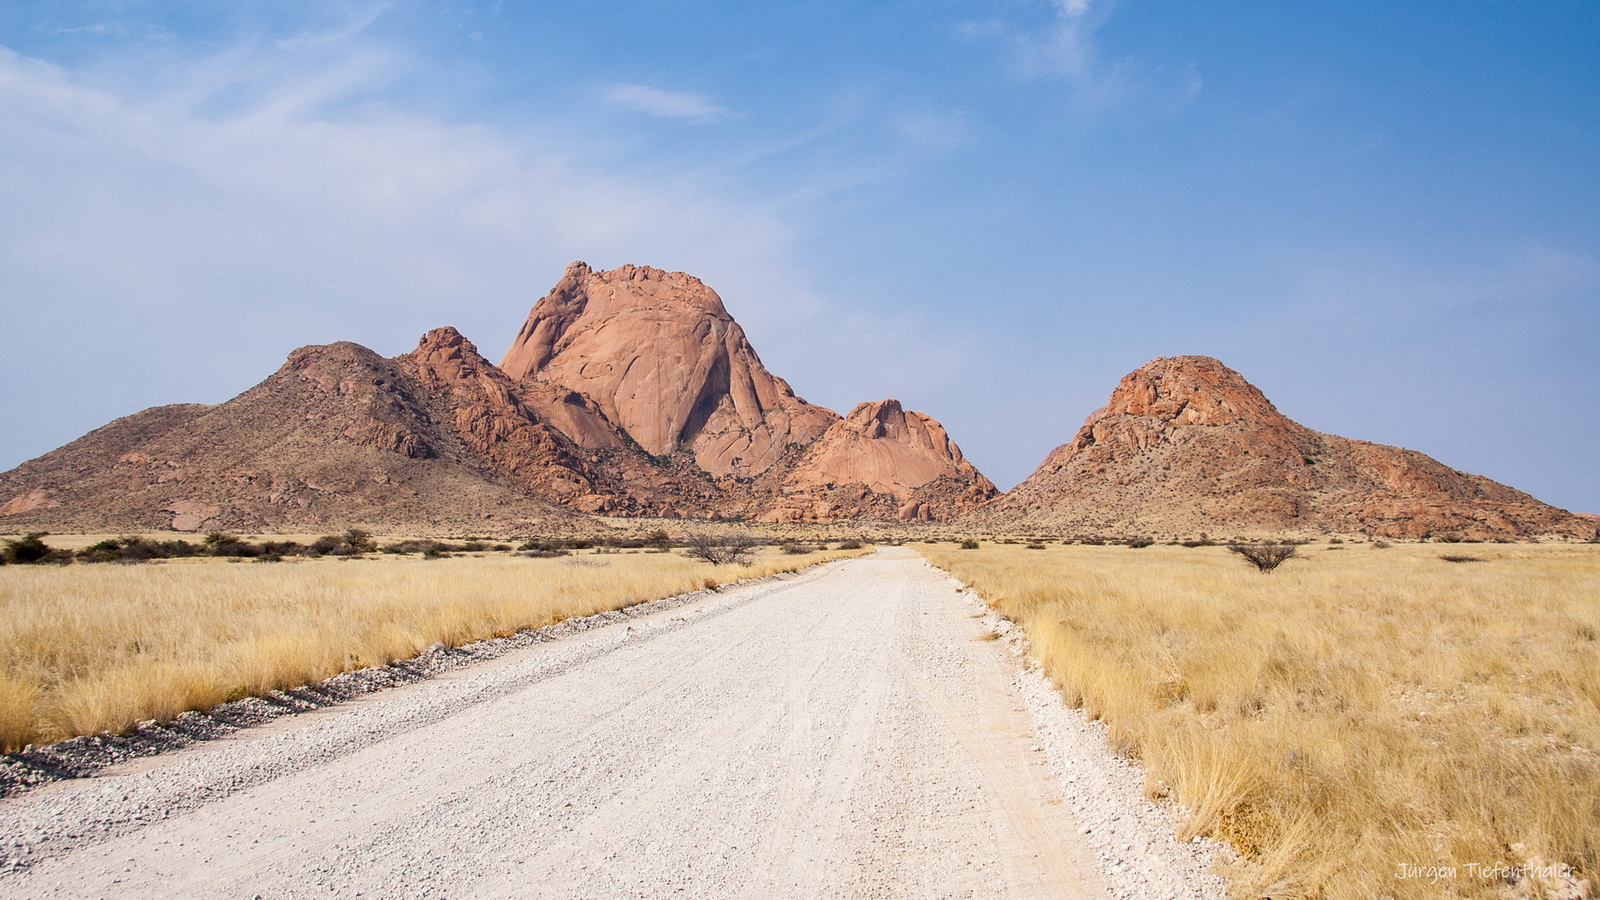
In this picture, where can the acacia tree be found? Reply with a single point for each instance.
(1265, 557)
(731, 549)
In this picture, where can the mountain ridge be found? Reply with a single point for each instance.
(633, 392)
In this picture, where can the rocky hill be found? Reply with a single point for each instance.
(337, 437)
(1186, 445)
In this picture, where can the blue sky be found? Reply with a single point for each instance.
(1387, 216)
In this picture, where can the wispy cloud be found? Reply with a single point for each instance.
(1065, 46)
(1058, 41)
(694, 108)
(356, 20)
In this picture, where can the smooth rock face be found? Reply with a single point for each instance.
(892, 451)
(647, 372)
(1187, 445)
(660, 358)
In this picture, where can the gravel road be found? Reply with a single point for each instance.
(846, 732)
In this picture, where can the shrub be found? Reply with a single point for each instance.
(1381, 545)
(969, 544)
(1457, 558)
(1139, 543)
(357, 541)
(219, 539)
(1265, 557)
(1035, 546)
(657, 539)
(30, 549)
(733, 549)
(797, 549)
(425, 547)
(850, 545)
(136, 549)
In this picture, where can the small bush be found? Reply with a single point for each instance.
(734, 549)
(1381, 545)
(1139, 543)
(1458, 558)
(850, 545)
(797, 549)
(1035, 546)
(30, 549)
(357, 542)
(969, 544)
(219, 538)
(136, 549)
(325, 546)
(1265, 557)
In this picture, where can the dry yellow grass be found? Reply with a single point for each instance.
(91, 648)
(1354, 712)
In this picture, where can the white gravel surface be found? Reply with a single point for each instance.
(840, 733)
(1135, 839)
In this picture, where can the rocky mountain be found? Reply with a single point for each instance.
(890, 462)
(663, 362)
(1186, 445)
(337, 437)
(627, 392)
(647, 372)
(633, 392)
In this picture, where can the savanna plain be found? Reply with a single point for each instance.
(1415, 720)
(92, 648)
(1366, 721)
